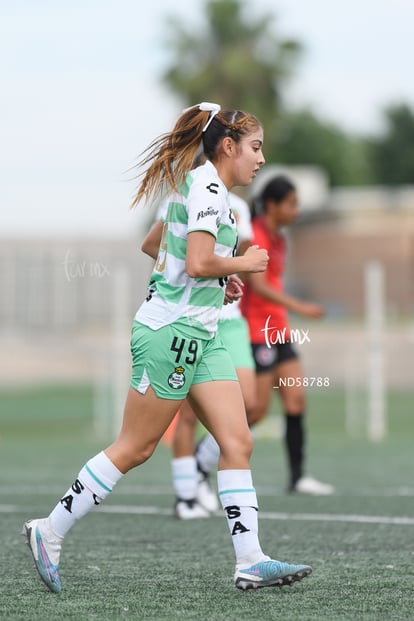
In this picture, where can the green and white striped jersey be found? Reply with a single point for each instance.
(195, 303)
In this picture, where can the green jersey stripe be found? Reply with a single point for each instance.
(177, 246)
(207, 296)
(177, 213)
(186, 187)
(171, 294)
(225, 236)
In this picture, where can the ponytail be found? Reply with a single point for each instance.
(171, 155)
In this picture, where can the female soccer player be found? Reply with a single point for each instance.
(265, 306)
(195, 497)
(175, 354)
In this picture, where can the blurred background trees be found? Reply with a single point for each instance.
(392, 153)
(247, 63)
(236, 60)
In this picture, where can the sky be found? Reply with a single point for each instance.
(81, 95)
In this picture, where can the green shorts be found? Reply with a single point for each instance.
(170, 362)
(235, 336)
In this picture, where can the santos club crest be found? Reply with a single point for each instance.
(177, 379)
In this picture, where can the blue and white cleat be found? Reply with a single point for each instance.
(45, 548)
(270, 573)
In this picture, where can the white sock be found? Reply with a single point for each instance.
(184, 476)
(95, 481)
(239, 501)
(208, 453)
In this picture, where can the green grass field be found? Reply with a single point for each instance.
(132, 560)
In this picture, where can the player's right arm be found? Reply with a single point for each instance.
(202, 262)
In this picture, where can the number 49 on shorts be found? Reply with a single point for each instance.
(186, 349)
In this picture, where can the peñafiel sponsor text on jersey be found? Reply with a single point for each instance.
(208, 212)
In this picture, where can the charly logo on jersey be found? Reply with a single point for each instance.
(213, 188)
(207, 212)
(177, 379)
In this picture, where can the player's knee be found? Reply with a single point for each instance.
(295, 405)
(245, 444)
(240, 446)
(136, 456)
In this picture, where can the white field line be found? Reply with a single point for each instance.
(270, 515)
(263, 515)
(165, 490)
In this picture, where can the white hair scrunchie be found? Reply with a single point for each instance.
(213, 108)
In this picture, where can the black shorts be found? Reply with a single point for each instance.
(267, 358)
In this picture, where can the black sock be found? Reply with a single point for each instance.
(295, 440)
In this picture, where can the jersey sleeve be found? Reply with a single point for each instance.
(205, 206)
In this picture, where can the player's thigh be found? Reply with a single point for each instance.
(145, 420)
(219, 406)
(215, 394)
(247, 379)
